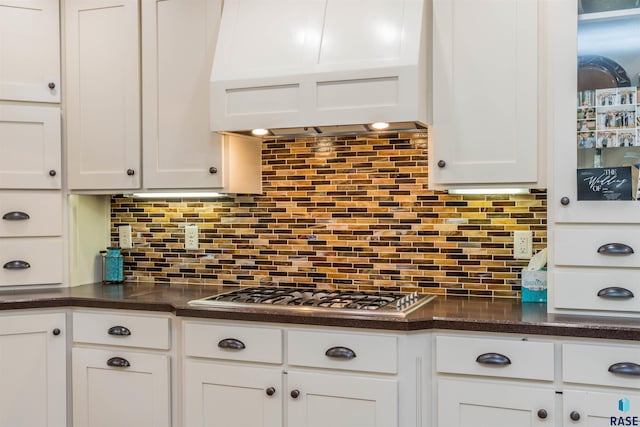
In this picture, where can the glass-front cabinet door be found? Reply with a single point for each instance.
(594, 66)
(607, 117)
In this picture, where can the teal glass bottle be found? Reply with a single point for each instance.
(112, 266)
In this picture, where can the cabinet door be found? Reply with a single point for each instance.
(30, 146)
(33, 371)
(178, 42)
(475, 404)
(341, 400)
(220, 395)
(103, 94)
(485, 92)
(594, 409)
(30, 50)
(107, 396)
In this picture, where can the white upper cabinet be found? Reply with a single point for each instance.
(103, 94)
(486, 80)
(178, 42)
(29, 147)
(595, 164)
(30, 50)
(138, 118)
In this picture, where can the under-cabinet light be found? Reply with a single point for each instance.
(176, 195)
(489, 191)
(380, 125)
(260, 132)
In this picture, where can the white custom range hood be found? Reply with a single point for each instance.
(309, 67)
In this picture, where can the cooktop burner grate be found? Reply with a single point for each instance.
(357, 302)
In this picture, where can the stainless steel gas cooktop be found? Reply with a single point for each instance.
(319, 300)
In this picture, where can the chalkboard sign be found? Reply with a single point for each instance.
(605, 183)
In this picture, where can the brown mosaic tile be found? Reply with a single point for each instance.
(344, 212)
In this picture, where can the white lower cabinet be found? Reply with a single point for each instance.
(292, 377)
(463, 403)
(340, 400)
(600, 409)
(120, 388)
(33, 370)
(494, 381)
(121, 369)
(217, 394)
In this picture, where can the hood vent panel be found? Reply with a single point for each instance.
(283, 64)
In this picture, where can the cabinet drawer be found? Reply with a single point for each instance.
(495, 357)
(30, 213)
(597, 289)
(355, 352)
(590, 364)
(246, 343)
(31, 261)
(122, 330)
(578, 245)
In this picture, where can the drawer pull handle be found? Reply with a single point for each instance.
(231, 344)
(15, 216)
(340, 353)
(17, 265)
(493, 359)
(625, 368)
(614, 292)
(119, 331)
(118, 362)
(615, 249)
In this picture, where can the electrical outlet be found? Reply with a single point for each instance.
(124, 236)
(522, 244)
(191, 237)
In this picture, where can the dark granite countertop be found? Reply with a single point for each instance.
(453, 313)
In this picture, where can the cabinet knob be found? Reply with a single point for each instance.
(442, 163)
(542, 414)
(270, 391)
(131, 172)
(574, 415)
(51, 85)
(213, 170)
(295, 393)
(56, 332)
(565, 201)
(52, 172)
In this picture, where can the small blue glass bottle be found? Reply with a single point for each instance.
(112, 266)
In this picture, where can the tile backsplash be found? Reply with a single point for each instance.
(345, 212)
